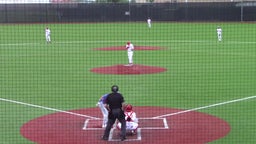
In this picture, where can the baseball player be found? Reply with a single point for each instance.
(47, 35)
(131, 120)
(149, 22)
(219, 33)
(101, 104)
(130, 48)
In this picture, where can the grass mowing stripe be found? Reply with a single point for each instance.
(138, 41)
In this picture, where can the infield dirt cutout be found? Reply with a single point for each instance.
(123, 69)
(157, 125)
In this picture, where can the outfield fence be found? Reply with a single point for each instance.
(123, 12)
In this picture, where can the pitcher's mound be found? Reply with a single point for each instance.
(128, 70)
(118, 48)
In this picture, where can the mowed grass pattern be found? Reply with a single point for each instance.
(200, 70)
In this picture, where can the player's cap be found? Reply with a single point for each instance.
(128, 42)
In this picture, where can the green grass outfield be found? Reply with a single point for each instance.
(200, 71)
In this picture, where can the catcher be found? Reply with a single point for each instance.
(131, 120)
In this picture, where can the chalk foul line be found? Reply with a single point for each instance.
(156, 117)
(47, 108)
(205, 107)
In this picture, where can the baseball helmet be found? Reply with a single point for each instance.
(114, 88)
(128, 108)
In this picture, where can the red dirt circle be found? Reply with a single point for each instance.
(157, 125)
(128, 70)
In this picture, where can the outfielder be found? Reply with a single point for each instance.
(47, 35)
(101, 104)
(149, 22)
(130, 48)
(131, 120)
(219, 33)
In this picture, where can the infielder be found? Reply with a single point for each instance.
(130, 48)
(219, 33)
(101, 104)
(131, 120)
(47, 35)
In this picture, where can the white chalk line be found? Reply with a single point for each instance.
(47, 108)
(85, 124)
(205, 107)
(139, 132)
(156, 117)
(112, 134)
(164, 120)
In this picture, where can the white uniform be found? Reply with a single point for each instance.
(131, 122)
(219, 33)
(101, 104)
(48, 35)
(149, 23)
(130, 49)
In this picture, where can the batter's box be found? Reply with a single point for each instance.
(144, 123)
(150, 123)
(92, 124)
(115, 135)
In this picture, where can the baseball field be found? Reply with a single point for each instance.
(185, 85)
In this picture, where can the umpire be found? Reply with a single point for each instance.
(115, 105)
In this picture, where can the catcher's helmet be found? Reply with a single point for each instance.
(114, 88)
(128, 108)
